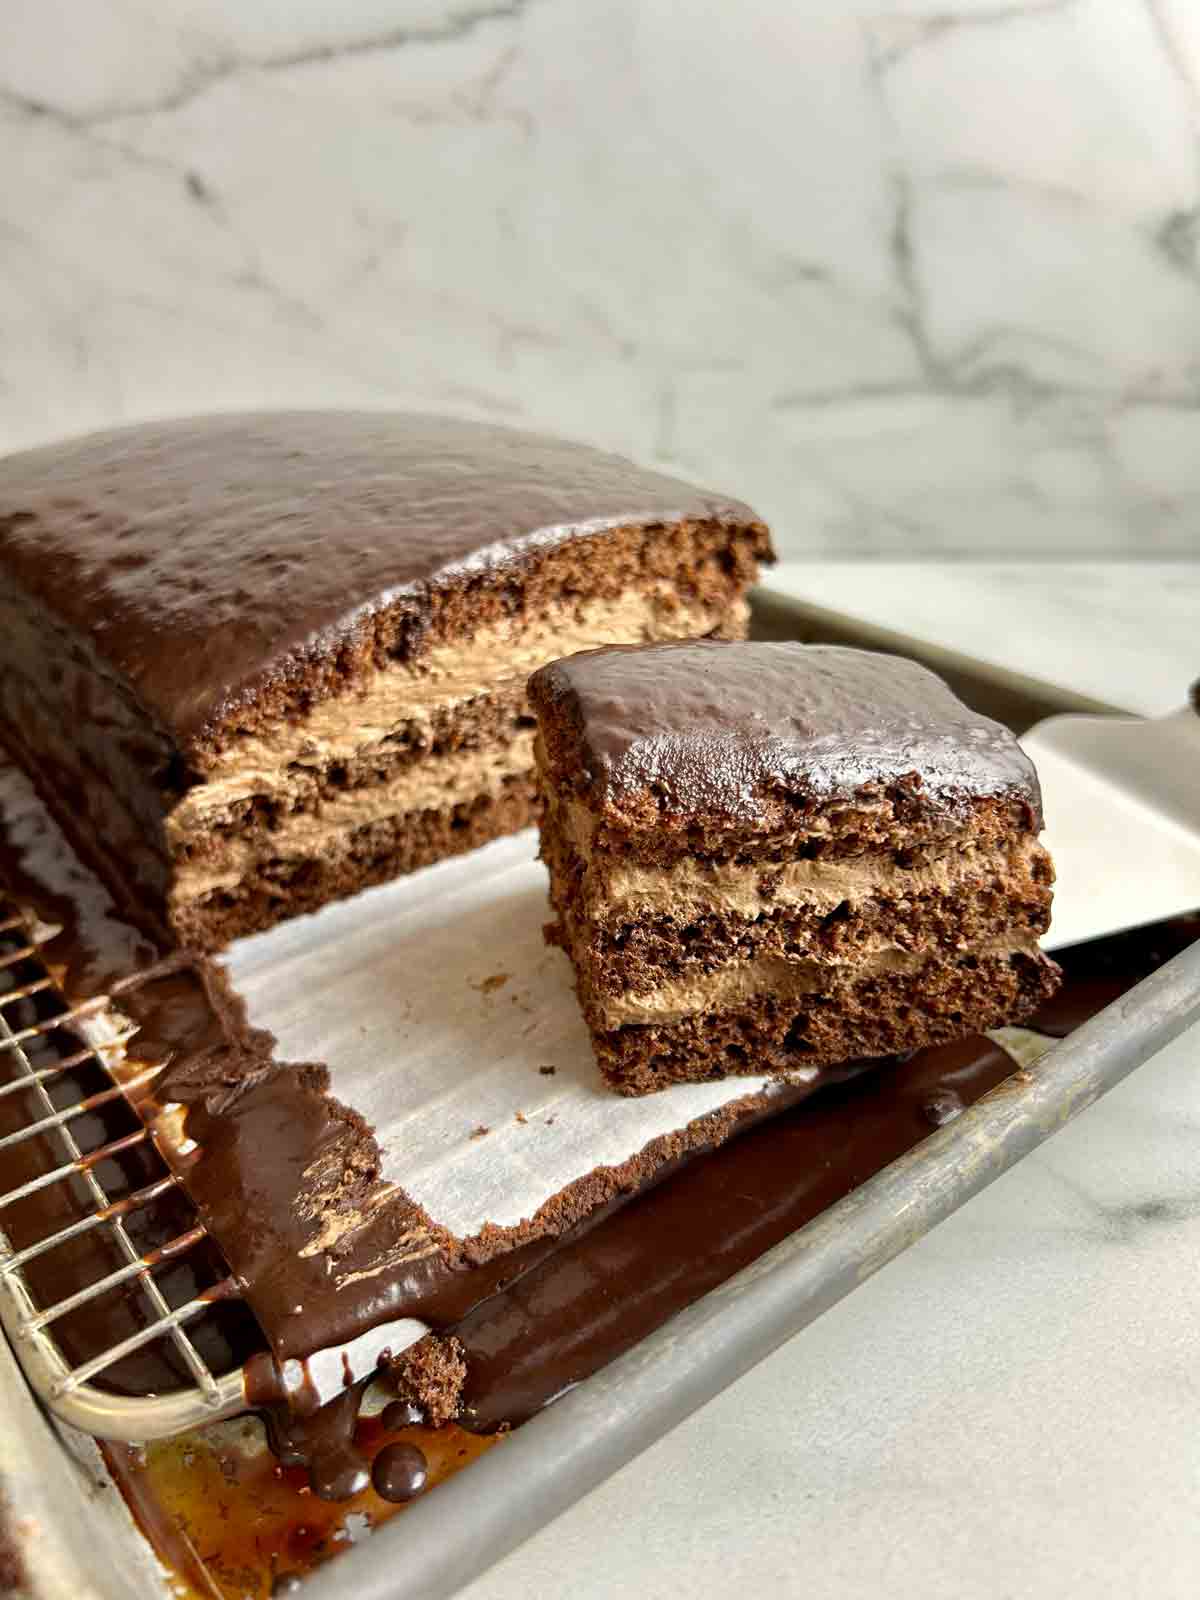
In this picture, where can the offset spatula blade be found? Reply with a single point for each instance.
(1122, 804)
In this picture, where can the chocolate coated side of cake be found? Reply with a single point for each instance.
(256, 662)
(773, 857)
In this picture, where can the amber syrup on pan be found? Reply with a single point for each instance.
(232, 1524)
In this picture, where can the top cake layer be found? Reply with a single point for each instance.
(713, 731)
(210, 559)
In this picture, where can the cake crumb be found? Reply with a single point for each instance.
(430, 1374)
(490, 985)
(521, 1117)
(481, 1132)
(547, 1072)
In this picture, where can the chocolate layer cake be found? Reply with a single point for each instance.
(773, 857)
(256, 662)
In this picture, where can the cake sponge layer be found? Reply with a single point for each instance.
(785, 1028)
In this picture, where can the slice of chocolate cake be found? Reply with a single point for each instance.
(772, 857)
(257, 662)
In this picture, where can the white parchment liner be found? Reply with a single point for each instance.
(435, 1003)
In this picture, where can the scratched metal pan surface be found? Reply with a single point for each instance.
(471, 1521)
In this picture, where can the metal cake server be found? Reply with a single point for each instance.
(1122, 804)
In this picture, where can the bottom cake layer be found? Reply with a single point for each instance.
(881, 1014)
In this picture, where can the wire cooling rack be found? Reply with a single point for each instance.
(66, 1121)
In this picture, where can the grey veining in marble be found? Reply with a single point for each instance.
(911, 277)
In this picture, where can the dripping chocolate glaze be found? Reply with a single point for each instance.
(206, 558)
(713, 729)
(535, 1321)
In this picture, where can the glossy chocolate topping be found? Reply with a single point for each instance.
(206, 557)
(712, 728)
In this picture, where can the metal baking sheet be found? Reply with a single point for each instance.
(573, 1446)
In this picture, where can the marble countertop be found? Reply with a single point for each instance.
(1010, 1409)
(908, 275)
(1124, 632)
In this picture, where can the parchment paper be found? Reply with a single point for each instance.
(436, 1005)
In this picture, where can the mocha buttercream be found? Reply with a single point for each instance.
(733, 985)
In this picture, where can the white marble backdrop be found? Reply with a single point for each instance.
(913, 277)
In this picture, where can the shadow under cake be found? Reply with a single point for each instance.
(258, 662)
(775, 856)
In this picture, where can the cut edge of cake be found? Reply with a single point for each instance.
(811, 920)
(430, 756)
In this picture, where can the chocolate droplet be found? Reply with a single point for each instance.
(399, 1414)
(339, 1474)
(400, 1472)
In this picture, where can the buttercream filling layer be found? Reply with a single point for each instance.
(739, 983)
(278, 763)
(438, 783)
(445, 676)
(693, 887)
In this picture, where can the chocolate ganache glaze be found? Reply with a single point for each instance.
(276, 542)
(712, 729)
